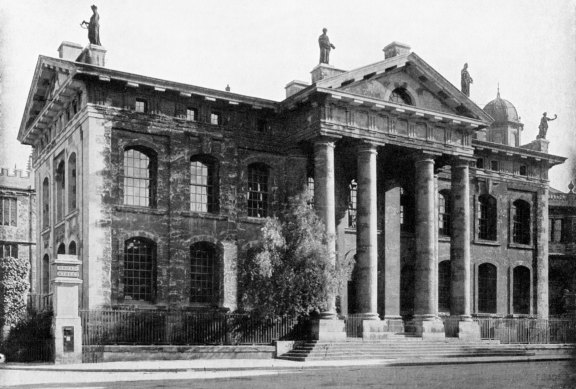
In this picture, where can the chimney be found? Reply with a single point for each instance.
(396, 48)
(69, 51)
(294, 87)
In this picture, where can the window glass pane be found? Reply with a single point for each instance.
(203, 283)
(257, 191)
(137, 178)
(139, 265)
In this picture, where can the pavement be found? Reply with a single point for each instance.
(45, 374)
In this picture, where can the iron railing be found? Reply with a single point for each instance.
(528, 330)
(353, 324)
(176, 327)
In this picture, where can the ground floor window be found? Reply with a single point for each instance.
(203, 273)
(487, 288)
(444, 275)
(521, 290)
(139, 269)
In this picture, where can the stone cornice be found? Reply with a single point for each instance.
(497, 148)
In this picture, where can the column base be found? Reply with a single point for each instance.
(328, 329)
(429, 327)
(375, 329)
(469, 330)
(395, 324)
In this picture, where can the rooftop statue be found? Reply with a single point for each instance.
(325, 47)
(466, 80)
(543, 127)
(93, 27)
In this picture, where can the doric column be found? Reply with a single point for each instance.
(324, 203)
(426, 284)
(426, 318)
(460, 241)
(542, 253)
(392, 254)
(366, 232)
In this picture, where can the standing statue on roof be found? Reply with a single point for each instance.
(543, 127)
(466, 80)
(93, 27)
(325, 47)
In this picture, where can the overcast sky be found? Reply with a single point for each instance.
(257, 47)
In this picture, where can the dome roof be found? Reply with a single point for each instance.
(502, 111)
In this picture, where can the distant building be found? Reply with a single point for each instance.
(18, 216)
(160, 188)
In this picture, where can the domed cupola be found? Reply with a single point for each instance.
(506, 127)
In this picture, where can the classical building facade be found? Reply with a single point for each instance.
(18, 216)
(160, 188)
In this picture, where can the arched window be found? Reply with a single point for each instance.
(203, 273)
(203, 184)
(60, 185)
(444, 204)
(72, 248)
(407, 290)
(45, 203)
(258, 195)
(72, 182)
(444, 276)
(487, 277)
(407, 215)
(310, 190)
(521, 290)
(352, 203)
(521, 220)
(140, 175)
(61, 249)
(487, 217)
(139, 269)
(45, 274)
(401, 96)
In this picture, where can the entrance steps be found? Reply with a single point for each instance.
(401, 347)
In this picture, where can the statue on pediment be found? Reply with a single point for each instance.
(93, 27)
(543, 127)
(466, 80)
(325, 47)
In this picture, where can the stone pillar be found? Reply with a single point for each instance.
(66, 323)
(328, 327)
(542, 253)
(460, 289)
(426, 318)
(392, 259)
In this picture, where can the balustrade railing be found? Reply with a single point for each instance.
(528, 330)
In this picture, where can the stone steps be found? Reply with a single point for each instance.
(404, 349)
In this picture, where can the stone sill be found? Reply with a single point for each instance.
(134, 209)
(520, 246)
(486, 242)
(203, 215)
(252, 220)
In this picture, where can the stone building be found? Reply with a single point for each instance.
(160, 188)
(18, 216)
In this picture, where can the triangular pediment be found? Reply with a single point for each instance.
(406, 79)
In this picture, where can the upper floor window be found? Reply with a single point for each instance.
(521, 220)
(487, 217)
(444, 213)
(139, 269)
(191, 114)
(60, 185)
(523, 170)
(555, 226)
(72, 182)
(45, 274)
(258, 191)
(495, 165)
(480, 163)
(8, 211)
(400, 95)
(352, 203)
(215, 118)
(141, 105)
(8, 250)
(140, 177)
(61, 249)
(203, 273)
(261, 125)
(203, 184)
(45, 203)
(72, 248)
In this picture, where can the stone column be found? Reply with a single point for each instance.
(367, 233)
(328, 327)
(460, 289)
(542, 253)
(426, 318)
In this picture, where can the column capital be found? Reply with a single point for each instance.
(367, 147)
(325, 140)
(461, 160)
(423, 156)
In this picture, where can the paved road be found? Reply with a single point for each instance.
(559, 374)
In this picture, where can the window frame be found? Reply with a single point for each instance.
(144, 106)
(204, 274)
(487, 297)
(352, 208)
(487, 218)
(151, 179)
(444, 218)
(8, 211)
(521, 291)
(211, 185)
(258, 196)
(521, 218)
(145, 271)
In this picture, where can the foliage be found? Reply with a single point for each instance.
(30, 340)
(14, 286)
(290, 272)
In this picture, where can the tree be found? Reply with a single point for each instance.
(289, 272)
(14, 285)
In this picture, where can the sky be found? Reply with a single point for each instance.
(528, 47)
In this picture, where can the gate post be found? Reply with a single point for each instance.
(66, 324)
